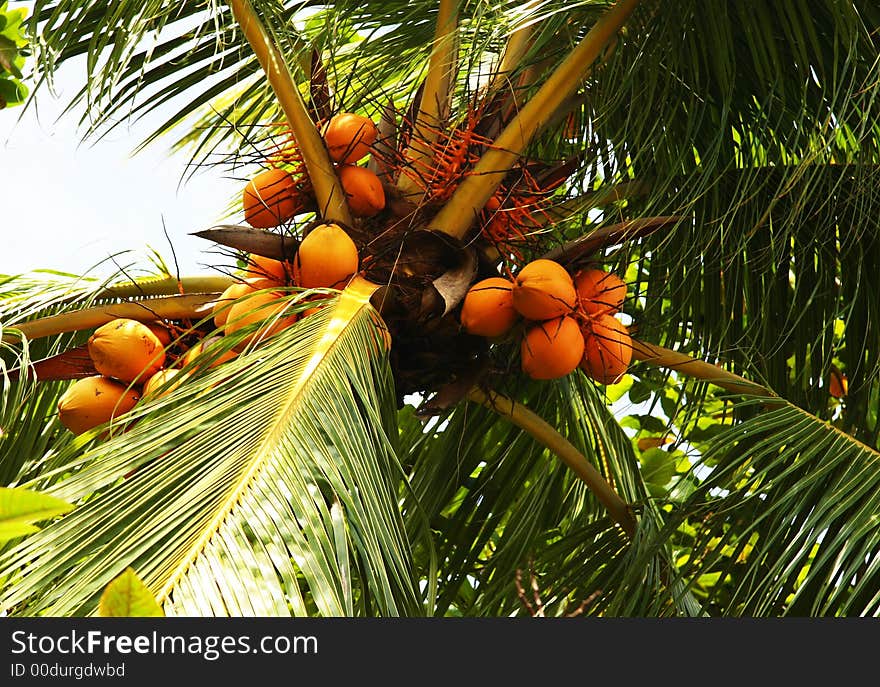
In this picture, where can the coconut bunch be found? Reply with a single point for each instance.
(130, 356)
(134, 360)
(125, 353)
(275, 195)
(563, 321)
(327, 258)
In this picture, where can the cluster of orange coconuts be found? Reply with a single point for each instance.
(125, 353)
(130, 356)
(326, 258)
(271, 197)
(568, 321)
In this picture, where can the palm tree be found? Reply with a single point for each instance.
(721, 156)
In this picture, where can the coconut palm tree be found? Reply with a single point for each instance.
(720, 156)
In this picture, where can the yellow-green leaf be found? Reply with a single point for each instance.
(128, 597)
(20, 508)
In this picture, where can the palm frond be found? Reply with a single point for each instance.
(500, 505)
(785, 522)
(264, 488)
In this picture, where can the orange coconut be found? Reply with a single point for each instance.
(384, 334)
(126, 349)
(261, 267)
(488, 309)
(543, 290)
(363, 190)
(552, 349)
(270, 198)
(202, 349)
(92, 401)
(349, 136)
(235, 291)
(162, 332)
(837, 383)
(319, 300)
(160, 379)
(599, 291)
(607, 350)
(265, 309)
(326, 258)
(647, 443)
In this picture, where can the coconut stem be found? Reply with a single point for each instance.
(193, 306)
(610, 235)
(328, 191)
(435, 94)
(698, 369)
(518, 45)
(545, 434)
(471, 195)
(167, 287)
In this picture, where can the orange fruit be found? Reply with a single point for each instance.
(837, 383)
(543, 290)
(552, 349)
(607, 350)
(349, 136)
(599, 291)
(647, 443)
(202, 350)
(159, 379)
(92, 401)
(260, 267)
(363, 190)
(270, 198)
(235, 291)
(488, 309)
(265, 309)
(126, 350)
(162, 332)
(326, 258)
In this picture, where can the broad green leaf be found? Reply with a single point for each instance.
(20, 508)
(128, 597)
(658, 466)
(8, 55)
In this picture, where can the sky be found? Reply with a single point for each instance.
(68, 205)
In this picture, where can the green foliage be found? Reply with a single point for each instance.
(13, 50)
(128, 597)
(755, 124)
(21, 508)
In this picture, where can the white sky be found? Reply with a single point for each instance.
(68, 205)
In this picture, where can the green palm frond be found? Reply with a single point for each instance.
(284, 483)
(499, 504)
(767, 146)
(274, 477)
(784, 523)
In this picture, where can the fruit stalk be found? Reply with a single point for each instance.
(518, 45)
(328, 191)
(544, 433)
(610, 235)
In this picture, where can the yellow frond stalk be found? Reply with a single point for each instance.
(545, 434)
(459, 212)
(328, 190)
(434, 105)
